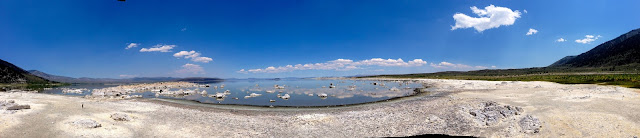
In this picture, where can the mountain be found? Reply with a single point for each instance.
(201, 80)
(10, 73)
(127, 80)
(50, 77)
(621, 51)
(562, 61)
(99, 80)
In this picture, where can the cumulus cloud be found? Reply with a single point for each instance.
(588, 39)
(132, 45)
(191, 69)
(202, 59)
(193, 55)
(242, 71)
(127, 76)
(561, 40)
(339, 64)
(532, 31)
(185, 53)
(489, 17)
(448, 65)
(158, 48)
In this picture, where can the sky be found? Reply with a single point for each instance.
(294, 38)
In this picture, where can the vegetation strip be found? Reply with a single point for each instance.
(625, 80)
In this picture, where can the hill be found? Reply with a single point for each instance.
(621, 51)
(99, 80)
(615, 62)
(12, 74)
(201, 80)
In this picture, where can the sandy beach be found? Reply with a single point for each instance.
(454, 107)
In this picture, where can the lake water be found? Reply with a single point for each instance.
(302, 92)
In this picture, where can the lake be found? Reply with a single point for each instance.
(301, 92)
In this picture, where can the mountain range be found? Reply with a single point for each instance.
(10, 73)
(99, 80)
(621, 51)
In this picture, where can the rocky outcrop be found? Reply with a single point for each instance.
(160, 88)
(490, 113)
(530, 124)
(120, 117)
(11, 107)
(87, 123)
(18, 107)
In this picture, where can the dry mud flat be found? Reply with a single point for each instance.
(472, 108)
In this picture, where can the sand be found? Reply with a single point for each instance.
(583, 110)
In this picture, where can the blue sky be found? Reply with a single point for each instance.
(89, 38)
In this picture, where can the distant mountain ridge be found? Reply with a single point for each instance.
(127, 80)
(201, 80)
(623, 50)
(10, 73)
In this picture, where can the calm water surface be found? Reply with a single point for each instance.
(303, 92)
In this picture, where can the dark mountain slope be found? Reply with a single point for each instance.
(623, 50)
(562, 61)
(10, 73)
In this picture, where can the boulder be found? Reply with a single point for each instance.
(490, 113)
(286, 96)
(530, 124)
(120, 117)
(18, 107)
(87, 123)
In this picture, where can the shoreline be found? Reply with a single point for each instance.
(538, 109)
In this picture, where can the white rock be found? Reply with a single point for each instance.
(254, 95)
(87, 123)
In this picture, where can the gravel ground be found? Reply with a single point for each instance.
(454, 107)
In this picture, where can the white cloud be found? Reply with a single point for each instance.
(532, 31)
(525, 11)
(191, 69)
(132, 45)
(184, 53)
(242, 71)
(588, 39)
(448, 65)
(158, 48)
(202, 59)
(193, 55)
(339, 65)
(127, 76)
(489, 17)
(183, 29)
(561, 40)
